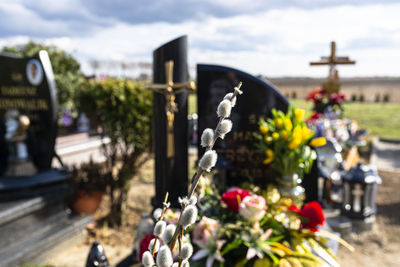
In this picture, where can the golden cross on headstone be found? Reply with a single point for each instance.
(170, 90)
(332, 85)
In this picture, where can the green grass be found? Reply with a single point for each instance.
(381, 119)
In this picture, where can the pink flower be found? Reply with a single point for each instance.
(253, 208)
(205, 231)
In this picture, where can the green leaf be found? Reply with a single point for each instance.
(231, 246)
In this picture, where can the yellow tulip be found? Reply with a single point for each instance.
(297, 132)
(263, 129)
(288, 124)
(279, 123)
(316, 142)
(299, 114)
(275, 136)
(270, 156)
(285, 135)
(294, 143)
(305, 133)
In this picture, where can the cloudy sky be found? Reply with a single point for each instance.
(273, 38)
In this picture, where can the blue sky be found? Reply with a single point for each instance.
(273, 38)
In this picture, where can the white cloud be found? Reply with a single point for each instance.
(273, 42)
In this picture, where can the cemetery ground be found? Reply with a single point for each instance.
(378, 247)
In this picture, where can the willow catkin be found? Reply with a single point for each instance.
(164, 257)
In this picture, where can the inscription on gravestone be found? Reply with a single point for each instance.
(238, 158)
(28, 112)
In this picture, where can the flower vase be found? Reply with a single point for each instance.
(289, 188)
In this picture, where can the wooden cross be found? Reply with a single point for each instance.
(170, 90)
(332, 85)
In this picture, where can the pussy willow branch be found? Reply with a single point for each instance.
(165, 206)
(197, 175)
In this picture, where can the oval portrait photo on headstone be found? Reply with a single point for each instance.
(34, 72)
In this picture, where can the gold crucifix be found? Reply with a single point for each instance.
(332, 85)
(170, 90)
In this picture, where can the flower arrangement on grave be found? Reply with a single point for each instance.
(286, 140)
(169, 246)
(325, 103)
(248, 227)
(255, 227)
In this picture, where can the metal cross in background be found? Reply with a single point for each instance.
(332, 85)
(170, 90)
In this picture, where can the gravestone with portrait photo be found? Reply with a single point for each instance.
(28, 120)
(33, 196)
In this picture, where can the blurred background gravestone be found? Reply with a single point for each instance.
(33, 214)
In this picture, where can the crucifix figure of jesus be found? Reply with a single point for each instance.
(170, 90)
(332, 85)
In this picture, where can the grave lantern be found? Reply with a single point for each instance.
(360, 186)
(330, 165)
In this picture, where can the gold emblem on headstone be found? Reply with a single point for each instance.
(170, 90)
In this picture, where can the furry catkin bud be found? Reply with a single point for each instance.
(157, 213)
(189, 216)
(224, 128)
(229, 97)
(147, 259)
(185, 263)
(186, 251)
(176, 264)
(208, 160)
(207, 137)
(168, 233)
(164, 257)
(151, 245)
(193, 200)
(159, 228)
(224, 108)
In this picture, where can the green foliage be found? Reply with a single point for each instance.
(123, 109)
(66, 69)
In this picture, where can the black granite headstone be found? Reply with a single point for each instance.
(238, 158)
(27, 88)
(171, 172)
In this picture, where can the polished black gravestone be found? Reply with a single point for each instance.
(171, 173)
(34, 217)
(28, 122)
(238, 158)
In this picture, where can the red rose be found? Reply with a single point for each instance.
(144, 245)
(311, 214)
(232, 198)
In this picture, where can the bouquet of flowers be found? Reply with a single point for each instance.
(255, 227)
(326, 103)
(285, 138)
